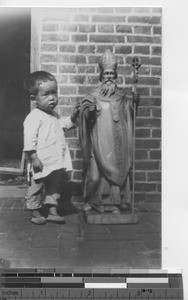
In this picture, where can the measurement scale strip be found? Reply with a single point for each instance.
(95, 294)
(34, 284)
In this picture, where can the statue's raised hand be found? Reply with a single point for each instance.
(75, 112)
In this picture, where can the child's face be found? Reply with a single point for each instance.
(46, 98)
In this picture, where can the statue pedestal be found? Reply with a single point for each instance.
(93, 217)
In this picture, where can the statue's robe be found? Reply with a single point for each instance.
(106, 142)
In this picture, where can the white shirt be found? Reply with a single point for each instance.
(44, 134)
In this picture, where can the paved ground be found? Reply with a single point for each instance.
(76, 244)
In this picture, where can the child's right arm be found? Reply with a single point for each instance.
(36, 162)
(31, 127)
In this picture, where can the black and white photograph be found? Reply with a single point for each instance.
(80, 137)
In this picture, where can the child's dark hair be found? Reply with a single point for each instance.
(35, 79)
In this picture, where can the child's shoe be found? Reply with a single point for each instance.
(54, 217)
(37, 218)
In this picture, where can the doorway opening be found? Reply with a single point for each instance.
(15, 40)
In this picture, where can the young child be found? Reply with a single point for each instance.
(45, 147)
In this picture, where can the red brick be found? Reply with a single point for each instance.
(151, 101)
(144, 19)
(77, 164)
(140, 176)
(156, 91)
(67, 48)
(124, 70)
(64, 110)
(103, 48)
(71, 133)
(145, 187)
(93, 79)
(157, 30)
(105, 28)
(154, 176)
(156, 71)
(148, 197)
(79, 154)
(70, 101)
(149, 80)
(156, 112)
(87, 28)
(120, 80)
(74, 143)
(77, 175)
(128, 91)
(84, 90)
(141, 10)
(159, 187)
(155, 154)
(143, 91)
(145, 80)
(124, 28)
(81, 18)
(86, 49)
(141, 154)
(50, 27)
(156, 50)
(108, 19)
(93, 59)
(147, 144)
(80, 79)
(67, 69)
(120, 59)
(156, 10)
(72, 153)
(75, 59)
(148, 122)
(151, 61)
(142, 133)
(52, 37)
(67, 90)
(142, 30)
(142, 50)
(147, 165)
(144, 71)
(143, 39)
(143, 112)
(62, 78)
(49, 47)
(69, 27)
(123, 49)
(86, 69)
(49, 68)
(79, 38)
(48, 58)
(156, 133)
(106, 39)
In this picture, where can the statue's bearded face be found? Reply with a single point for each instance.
(108, 82)
(108, 76)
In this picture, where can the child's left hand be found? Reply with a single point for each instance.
(75, 112)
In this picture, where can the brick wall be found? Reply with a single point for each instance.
(70, 43)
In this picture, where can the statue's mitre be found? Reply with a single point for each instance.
(108, 61)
